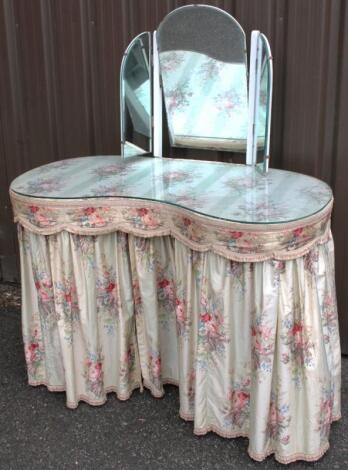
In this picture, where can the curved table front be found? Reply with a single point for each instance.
(208, 275)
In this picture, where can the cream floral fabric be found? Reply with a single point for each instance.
(78, 317)
(233, 240)
(253, 346)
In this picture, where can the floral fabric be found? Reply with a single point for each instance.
(211, 102)
(233, 196)
(231, 210)
(253, 346)
(233, 241)
(78, 315)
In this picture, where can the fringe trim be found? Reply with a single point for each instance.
(156, 393)
(218, 249)
(81, 397)
(169, 210)
(284, 459)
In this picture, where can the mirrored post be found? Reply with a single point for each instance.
(260, 101)
(263, 121)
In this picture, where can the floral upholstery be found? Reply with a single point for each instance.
(254, 347)
(231, 210)
(209, 105)
(124, 292)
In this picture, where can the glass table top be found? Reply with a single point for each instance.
(225, 191)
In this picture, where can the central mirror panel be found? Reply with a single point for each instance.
(136, 97)
(203, 65)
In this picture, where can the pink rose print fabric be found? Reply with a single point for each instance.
(115, 312)
(232, 298)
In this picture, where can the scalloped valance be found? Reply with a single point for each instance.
(232, 240)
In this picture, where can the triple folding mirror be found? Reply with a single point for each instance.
(196, 63)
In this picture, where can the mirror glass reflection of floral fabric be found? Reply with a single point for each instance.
(205, 98)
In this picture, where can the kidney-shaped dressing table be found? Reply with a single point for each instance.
(140, 271)
(207, 275)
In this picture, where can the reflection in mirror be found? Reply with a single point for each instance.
(260, 96)
(202, 55)
(135, 99)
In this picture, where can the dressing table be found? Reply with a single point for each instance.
(141, 271)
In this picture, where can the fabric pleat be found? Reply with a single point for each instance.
(253, 346)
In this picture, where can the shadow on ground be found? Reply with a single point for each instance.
(38, 431)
